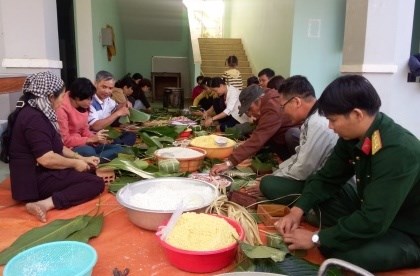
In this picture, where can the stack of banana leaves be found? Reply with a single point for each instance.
(137, 162)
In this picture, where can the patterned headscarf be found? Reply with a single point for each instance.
(43, 85)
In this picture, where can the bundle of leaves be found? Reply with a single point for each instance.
(276, 258)
(240, 131)
(131, 169)
(264, 161)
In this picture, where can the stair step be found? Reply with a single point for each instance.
(222, 46)
(214, 52)
(222, 69)
(222, 58)
(245, 76)
(221, 63)
(219, 40)
(226, 52)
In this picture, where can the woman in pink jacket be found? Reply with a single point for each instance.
(73, 121)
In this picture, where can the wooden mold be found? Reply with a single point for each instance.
(270, 213)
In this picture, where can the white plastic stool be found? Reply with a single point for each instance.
(337, 262)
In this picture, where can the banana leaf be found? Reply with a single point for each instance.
(150, 141)
(56, 230)
(138, 116)
(121, 182)
(126, 156)
(165, 139)
(291, 266)
(93, 229)
(168, 131)
(130, 166)
(150, 151)
(135, 151)
(262, 252)
(276, 241)
(113, 133)
(141, 164)
(124, 120)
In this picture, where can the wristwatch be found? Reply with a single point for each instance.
(315, 239)
(228, 163)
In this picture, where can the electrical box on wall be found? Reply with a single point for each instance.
(106, 36)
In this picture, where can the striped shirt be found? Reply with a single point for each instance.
(233, 77)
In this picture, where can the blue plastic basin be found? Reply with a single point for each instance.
(62, 258)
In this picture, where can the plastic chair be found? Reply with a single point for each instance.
(340, 263)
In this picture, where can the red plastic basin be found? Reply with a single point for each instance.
(204, 261)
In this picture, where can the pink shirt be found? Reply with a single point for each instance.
(73, 124)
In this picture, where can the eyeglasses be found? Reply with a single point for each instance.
(288, 101)
(305, 95)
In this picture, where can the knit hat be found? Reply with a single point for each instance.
(249, 95)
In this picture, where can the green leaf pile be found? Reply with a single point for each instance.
(80, 228)
(137, 167)
(262, 252)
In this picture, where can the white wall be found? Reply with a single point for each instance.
(266, 30)
(383, 54)
(401, 99)
(29, 36)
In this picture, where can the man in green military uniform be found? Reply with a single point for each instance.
(377, 226)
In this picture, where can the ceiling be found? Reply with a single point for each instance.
(151, 19)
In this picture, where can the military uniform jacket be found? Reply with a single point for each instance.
(386, 164)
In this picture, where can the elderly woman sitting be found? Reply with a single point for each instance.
(44, 173)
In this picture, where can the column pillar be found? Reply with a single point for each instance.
(377, 45)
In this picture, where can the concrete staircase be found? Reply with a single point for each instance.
(214, 52)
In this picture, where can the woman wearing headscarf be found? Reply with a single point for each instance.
(44, 173)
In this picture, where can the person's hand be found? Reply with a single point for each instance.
(129, 104)
(208, 122)
(92, 161)
(102, 136)
(123, 111)
(81, 165)
(197, 113)
(219, 168)
(289, 222)
(299, 239)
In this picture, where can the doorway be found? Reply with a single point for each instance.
(67, 40)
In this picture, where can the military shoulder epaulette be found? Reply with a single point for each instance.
(376, 142)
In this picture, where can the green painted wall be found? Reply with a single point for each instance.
(104, 12)
(266, 31)
(318, 58)
(139, 53)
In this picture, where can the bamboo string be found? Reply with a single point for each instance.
(282, 197)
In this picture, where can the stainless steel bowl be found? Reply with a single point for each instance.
(152, 219)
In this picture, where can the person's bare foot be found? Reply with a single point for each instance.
(38, 210)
